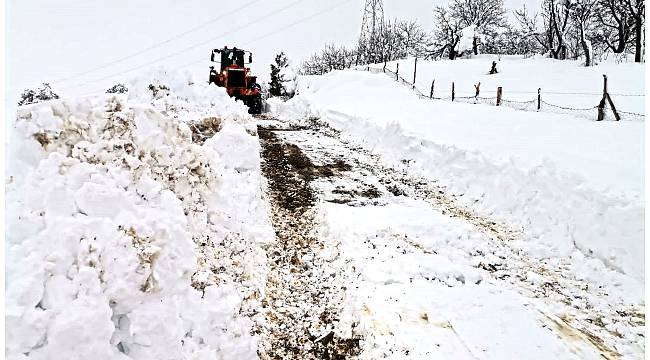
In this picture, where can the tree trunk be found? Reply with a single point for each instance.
(585, 47)
(621, 39)
(638, 51)
(475, 46)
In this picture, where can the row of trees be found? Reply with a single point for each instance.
(560, 29)
(396, 39)
(594, 26)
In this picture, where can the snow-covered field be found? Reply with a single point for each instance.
(563, 83)
(573, 185)
(126, 236)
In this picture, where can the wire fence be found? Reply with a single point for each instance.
(536, 104)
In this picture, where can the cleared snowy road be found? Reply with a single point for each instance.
(417, 274)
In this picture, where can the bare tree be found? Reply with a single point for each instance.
(332, 57)
(614, 25)
(637, 12)
(552, 33)
(556, 14)
(389, 42)
(582, 14)
(486, 15)
(411, 37)
(530, 29)
(446, 34)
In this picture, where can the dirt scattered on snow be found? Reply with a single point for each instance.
(305, 289)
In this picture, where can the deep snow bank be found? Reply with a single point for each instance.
(122, 238)
(563, 214)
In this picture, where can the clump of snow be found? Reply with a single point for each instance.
(466, 41)
(122, 240)
(289, 79)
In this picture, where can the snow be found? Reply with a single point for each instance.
(502, 133)
(425, 280)
(574, 197)
(419, 293)
(466, 41)
(117, 222)
(288, 78)
(562, 82)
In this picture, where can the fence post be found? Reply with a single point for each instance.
(385, 63)
(477, 87)
(601, 105)
(368, 68)
(431, 93)
(397, 73)
(453, 91)
(415, 71)
(539, 98)
(499, 92)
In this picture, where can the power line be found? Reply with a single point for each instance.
(154, 46)
(182, 51)
(221, 35)
(339, 4)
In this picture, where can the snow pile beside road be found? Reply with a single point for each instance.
(562, 214)
(178, 94)
(122, 239)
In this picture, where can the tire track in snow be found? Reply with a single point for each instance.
(305, 288)
(590, 320)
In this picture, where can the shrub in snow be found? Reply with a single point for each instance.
(44, 93)
(117, 89)
(283, 77)
(275, 86)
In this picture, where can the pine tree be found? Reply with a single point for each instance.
(275, 86)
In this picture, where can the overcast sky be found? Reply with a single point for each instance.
(49, 40)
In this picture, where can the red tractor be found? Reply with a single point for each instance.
(237, 78)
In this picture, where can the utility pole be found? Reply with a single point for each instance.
(371, 28)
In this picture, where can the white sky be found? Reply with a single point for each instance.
(49, 40)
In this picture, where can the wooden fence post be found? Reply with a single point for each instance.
(385, 63)
(499, 92)
(415, 70)
(431, 93)
(397, 73)
(453, 91)
(601, 105)
(368, 68)
(539, 98)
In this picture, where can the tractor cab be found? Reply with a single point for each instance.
(232, 57)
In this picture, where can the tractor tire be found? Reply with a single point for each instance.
(255, 105)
